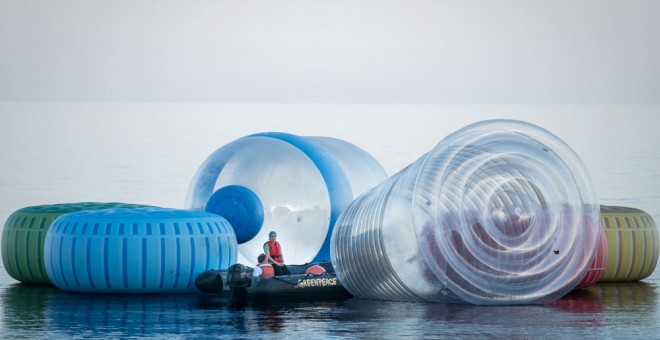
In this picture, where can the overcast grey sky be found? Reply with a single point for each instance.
(481, 51)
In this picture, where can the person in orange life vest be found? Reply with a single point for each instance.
(273, 250)
(263, 268)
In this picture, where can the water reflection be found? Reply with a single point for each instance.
(632, 307)
(129, 315)
(23, 307)
(222, 313)
(31, 310)
(636, 297)
(276, 316)
(580, 301)
(604, 310)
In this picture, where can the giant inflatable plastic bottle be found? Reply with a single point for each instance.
(499, 212)
(294, 185)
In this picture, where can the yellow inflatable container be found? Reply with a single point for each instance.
(632, 242)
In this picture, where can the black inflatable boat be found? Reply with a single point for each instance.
(239, 284)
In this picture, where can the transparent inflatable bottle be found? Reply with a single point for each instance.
(499, 212)
(296, 186)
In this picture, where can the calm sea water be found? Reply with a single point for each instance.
(148, 153)
(621, 310)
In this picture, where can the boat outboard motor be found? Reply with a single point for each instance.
(237, 280)
(209, 282)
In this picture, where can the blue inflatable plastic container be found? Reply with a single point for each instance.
(24, 235)
(294, 185)
(145, 250)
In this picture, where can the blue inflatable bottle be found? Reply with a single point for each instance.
(294, 185)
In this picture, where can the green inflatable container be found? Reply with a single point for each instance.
(25, 232)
